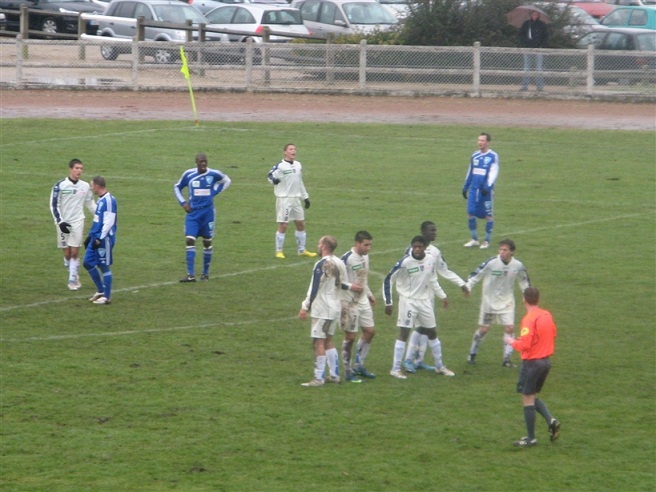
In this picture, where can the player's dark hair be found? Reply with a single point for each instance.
(287, 145)
(362, 236)
(201, 157)
(73, 162)
(419, 239)
(532, 296)
(486, 135)
(99, 181)
(508, 242)
(425, 224)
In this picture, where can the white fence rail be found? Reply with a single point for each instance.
(329, 68)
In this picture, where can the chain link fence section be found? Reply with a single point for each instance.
(329, 68)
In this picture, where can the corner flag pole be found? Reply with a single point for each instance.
(185, 71)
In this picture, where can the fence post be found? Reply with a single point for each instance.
(189, 33)
(81, 29)
(139, 36)
(202, 35)
(363, 64)
(248, 62)
(24, 30)
(266, 56)
(330, 60)
(136, 58)
(19, 61)
(589, 79)
(476, 79)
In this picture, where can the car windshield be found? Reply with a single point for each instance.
(580, 16)
(368, 13)
(64, 1)
(284, 17)
(179, 13)
(395, 2)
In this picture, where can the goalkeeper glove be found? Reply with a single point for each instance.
(275, 181)
(87, 241)
(96, 244)
(307, 203)
(65, 227)
(464, 194)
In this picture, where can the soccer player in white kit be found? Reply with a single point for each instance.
(499, 275)
(68, 198)
(357, 309)
(291, 198)
(322, 300)
(418, 344)
(416, 283)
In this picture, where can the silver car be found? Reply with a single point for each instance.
(252, 17)
(115, 24)
(340, 17)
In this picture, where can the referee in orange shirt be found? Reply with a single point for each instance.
(536, 344)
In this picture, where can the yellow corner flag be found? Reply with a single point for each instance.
(185, 71)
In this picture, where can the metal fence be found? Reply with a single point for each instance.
(329, 68)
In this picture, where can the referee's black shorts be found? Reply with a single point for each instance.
(532, 375)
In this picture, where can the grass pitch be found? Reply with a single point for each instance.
(197, 386)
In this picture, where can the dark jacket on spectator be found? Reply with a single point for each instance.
(534, 34)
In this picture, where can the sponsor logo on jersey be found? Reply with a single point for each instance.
(289, 171)
(358, 267)
(202, 192)
(479, 171)
(210, 180)
(413, 270)
(498, 273)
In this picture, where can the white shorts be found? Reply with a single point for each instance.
(416, 313)
(356, 316)
(321, 328)
(504, 319)
(289, 209)
(72, 239)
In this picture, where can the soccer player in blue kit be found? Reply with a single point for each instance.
(100, 242)
(478, 190)
(203, 185)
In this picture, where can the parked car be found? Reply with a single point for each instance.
(252, 17)
(400, 8)
(579, 22)
(596, 8)
(3, 22)
(158, 10)
(206, 6)
(638, 3)
(340, 17)
(638, 17)
(42, 20)
(614, 44)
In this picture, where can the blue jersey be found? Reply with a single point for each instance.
(202, 187)
(483, 171)
(104, 219)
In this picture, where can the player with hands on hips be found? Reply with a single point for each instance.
(478, 190)
(68, 198)
(292, 200)
(203, 185)
(416, 283)
(324, 305)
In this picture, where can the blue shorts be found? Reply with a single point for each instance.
(101, 256)
(200, 223)
(479, 205)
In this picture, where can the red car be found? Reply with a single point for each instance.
(596, 8)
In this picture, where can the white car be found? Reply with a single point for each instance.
(341, 17)
(250, 18)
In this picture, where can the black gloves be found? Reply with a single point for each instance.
(65, 227)
(87, 241)
(464, 194)
(275, 181)
(96, 244)
(307, 203)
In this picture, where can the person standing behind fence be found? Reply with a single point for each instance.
(534, 33)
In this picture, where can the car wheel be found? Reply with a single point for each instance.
(49, 25)
(109, 52)
(163, 56)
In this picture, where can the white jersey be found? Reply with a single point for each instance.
(415, 279)
(290, 175)
(440, 265)
(357, 272)
(68, 199)
(328, 277)
(499, 283)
